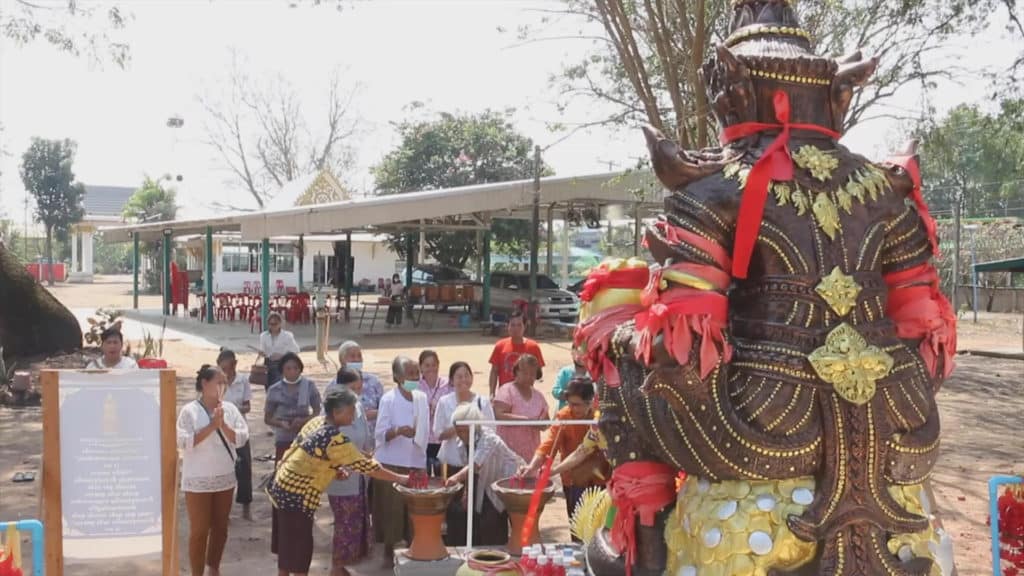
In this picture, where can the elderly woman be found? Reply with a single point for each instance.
(434, 386)
(348, 495)
(274, 343)
(493, 461)
(112, 345)
(350, 355)
(452, 454)
(401, 439)
(290, 403)
(209, 431)
(320, 454)
(519, 400)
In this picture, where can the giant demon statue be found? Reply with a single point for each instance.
(785, 349)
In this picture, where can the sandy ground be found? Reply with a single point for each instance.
(980, 406)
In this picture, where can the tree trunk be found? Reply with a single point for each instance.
(32, 321)
(49, 256)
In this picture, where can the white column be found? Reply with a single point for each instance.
(423, 245)
(565, 254)
(74, 252)
(87, 253)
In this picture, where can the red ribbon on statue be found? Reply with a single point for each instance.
(775, 164)
(638, 489)
(909, 163)
(921, 311)
(624, 278)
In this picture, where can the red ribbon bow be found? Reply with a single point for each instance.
(638, 489)
(775, 164)
(601, 278)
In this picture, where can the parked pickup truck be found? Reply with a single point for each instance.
(554, 303)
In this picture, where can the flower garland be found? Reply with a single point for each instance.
(1011, 530)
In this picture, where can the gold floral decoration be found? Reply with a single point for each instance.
(839, 291)
(826, 207)
(850, 365)
(819, 163)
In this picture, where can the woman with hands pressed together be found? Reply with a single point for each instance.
(209, 432)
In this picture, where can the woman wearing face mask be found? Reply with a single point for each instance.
(401, 440)
(209, 432)
(290, 403)
(433, 386)
(451, 453)
(350, 355)
(397, 294)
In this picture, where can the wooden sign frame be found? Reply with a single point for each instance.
(52, 506)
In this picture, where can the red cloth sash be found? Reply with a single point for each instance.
(638, 489)
(677, 315)
(775, 164)
(921, 312)
(909, 163)
(595, 335)
(601, 278)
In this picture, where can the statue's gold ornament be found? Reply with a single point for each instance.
(819, 163)
(850, 365)
(839, 291)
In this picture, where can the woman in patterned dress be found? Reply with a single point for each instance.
(319, 454)
(348, 496)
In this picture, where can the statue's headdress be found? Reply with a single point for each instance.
(767, 49)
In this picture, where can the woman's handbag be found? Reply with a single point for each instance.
(258, 375)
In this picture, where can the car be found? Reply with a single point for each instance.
(508, 288)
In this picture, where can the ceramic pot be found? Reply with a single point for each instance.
(426, 512)
(517, 504)
(487, 563)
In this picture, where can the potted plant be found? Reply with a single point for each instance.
(152, 350)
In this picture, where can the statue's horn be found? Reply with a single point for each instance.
(856, 73)
(670, 166)
(850, 58)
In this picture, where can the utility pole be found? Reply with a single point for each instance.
(534, 239)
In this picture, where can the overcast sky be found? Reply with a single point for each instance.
(449, 54)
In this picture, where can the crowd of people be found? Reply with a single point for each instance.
(354, 440)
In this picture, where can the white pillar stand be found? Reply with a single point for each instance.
(74, 253)
(84, 275)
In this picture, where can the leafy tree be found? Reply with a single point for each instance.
(458, 150)
(47, 174)
(646, 62)
(152, 202)
(976, 158)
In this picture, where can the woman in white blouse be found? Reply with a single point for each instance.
(209, 433)
(452, 453)
(274, 343)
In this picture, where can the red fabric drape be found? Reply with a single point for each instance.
(638, 489)
(921, 312)
(775, 164)
(601, 278)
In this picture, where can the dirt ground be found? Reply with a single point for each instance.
(981, 407)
